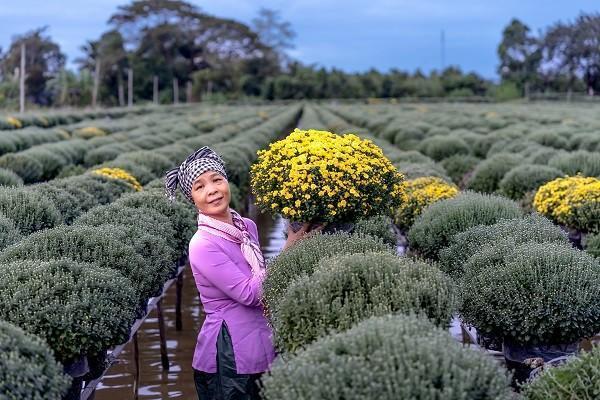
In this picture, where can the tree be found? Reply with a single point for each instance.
(174, 39)
(43, 61)
(109, 51)
(520, 55)
(571, 52)
(278, 35)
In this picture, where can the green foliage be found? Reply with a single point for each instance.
(412, 171)
(581, 161)
(27, 368)
(592, 244)
(535, 293)
(30, 212)
(181, 215)
(77, 308)
(526, 178)
(385, 358)
(458, 165)
(576, 379)
(9, 178)
(488, 173)
(435, 226)
(550, 139)
(506, 92)
(9, 233)
(28, 168)
(303, 257)
(346, 289)
(378, 226)
(531, 228)
(442, 147)
(99, 245)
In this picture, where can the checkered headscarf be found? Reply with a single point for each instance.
(196, 164)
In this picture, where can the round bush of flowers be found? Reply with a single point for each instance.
(385, 358)
(27, 368)
(435, 226)
(416, 194)
(572, 201)
(533, 294)
(348, 288)
(318, 176)
(302, 258)
(576, 379)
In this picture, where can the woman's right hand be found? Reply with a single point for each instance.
(307, 227)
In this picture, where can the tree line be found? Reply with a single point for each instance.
(168, 51)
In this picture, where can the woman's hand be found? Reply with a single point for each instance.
(293, 237)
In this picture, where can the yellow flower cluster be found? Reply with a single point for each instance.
(318, 176)
(42, 120)
(14, 122)
(573, 201)
(89, 132)
(121, 174)
(416, 194)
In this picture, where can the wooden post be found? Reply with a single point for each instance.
(178, 290)
(175, 91)
(188, 91)
(96, 83)
(164, 357)
(136, 359)
(130, 87)
(22, 80)
(120, 89)
(155, 89)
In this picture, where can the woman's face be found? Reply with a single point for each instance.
(210, 193)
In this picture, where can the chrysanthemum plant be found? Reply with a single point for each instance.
(321, 177)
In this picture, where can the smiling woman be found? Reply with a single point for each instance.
(234, 346)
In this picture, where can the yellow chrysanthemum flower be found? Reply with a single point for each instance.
(121, 174)
(416, 194)
(318, 176)
(573, 201)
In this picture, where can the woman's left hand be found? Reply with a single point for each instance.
(307, 227)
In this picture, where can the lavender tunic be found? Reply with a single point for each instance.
(229, 293)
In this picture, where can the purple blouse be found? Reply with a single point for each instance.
(229, 293)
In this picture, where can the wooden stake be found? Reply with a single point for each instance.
(188, 91)
(164, 357)
(178, 290)
(120, 89)
(175, 91)
(155, 89)
(130, 87)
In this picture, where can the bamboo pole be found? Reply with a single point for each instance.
(188, 91)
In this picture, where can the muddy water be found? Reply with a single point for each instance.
(121, 383)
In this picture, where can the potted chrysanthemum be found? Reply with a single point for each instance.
(321, 177)
(573, 202)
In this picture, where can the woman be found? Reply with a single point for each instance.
(235, 345)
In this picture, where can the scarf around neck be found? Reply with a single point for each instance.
(237, 233)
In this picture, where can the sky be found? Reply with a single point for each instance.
(351, 35)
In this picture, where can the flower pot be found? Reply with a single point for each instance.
(331, 227)
(522, 360)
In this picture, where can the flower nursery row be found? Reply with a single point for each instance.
(72, 289)
(88, 146)
(54, 118)
(354, 320)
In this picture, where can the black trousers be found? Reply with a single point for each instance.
(226, 383)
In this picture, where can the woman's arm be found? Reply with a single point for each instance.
(223, 273)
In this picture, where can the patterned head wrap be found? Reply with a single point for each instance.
(196, 164)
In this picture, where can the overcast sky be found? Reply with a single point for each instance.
(351, 35)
